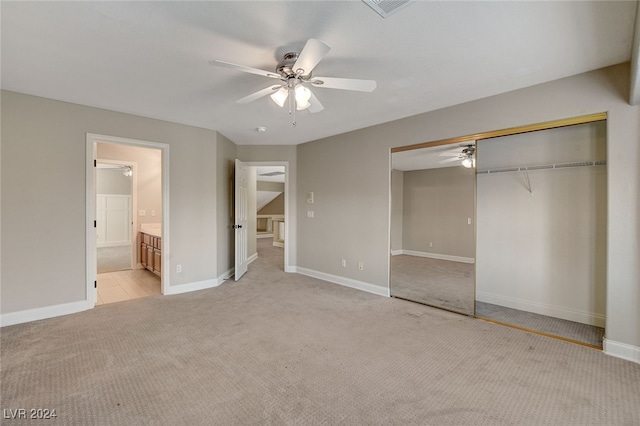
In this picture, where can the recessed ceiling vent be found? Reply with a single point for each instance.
(387, 8)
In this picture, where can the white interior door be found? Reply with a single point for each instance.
(241, 213)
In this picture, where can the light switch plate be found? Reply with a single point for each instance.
(309, 197)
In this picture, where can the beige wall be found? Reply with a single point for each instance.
(349, 174)
(43, 170)
(397, 202)
(149, 176)
(270, 186)
(275, 207)
(112, 181)
(438, 204)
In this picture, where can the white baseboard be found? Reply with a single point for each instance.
(194, 286)
(264, 235)
(251, 258)
(36, 314)
(113, 244)
(226, 275)
(277, 244)
(347, 282)
(621, 350)
(542, 309)
(396, 252)
(435, 256)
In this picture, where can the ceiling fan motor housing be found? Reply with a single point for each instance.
(285, 67)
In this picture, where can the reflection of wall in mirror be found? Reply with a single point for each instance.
(432, 208)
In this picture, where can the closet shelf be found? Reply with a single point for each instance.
(544, 167)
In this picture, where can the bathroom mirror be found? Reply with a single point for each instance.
(433, 226)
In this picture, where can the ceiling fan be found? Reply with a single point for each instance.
(295, 74)
(466, 155)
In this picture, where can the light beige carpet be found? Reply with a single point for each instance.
(584, 333)
(281, 349)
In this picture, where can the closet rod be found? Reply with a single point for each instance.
(544, 167)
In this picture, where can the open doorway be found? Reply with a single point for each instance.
(126, 212)
(265, 233)
(270, 213)
(114, 216)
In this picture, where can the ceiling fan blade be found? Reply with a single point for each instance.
(245, 68)
(449, 160)
(344, 83)
(450, 154)
(311, 54)
(316, 106)
(259, 94)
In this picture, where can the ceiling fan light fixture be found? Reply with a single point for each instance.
(302, 94)
(302, 106)
(280, 96)
(469, 162)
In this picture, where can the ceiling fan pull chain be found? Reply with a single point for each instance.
(292, 106)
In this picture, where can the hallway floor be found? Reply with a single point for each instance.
(126, 285)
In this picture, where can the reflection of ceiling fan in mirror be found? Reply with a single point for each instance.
(294, 73)
(466, 155)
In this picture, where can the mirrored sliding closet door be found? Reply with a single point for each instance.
(433, 226)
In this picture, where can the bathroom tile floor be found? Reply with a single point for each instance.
(126, 285)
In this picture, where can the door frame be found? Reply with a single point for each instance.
(287, 222)
(133, 220)
(90, 231)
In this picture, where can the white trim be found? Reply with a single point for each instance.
(226, 275)
(347, 282)
(91, 150)
(114, 244)
(621, 350)
(396, 252)
(264, 235)
(45, 312)
(436, 256)
(278, 244)
(542, 309)
(251, 258)
(193, 286)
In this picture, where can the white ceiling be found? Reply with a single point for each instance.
(151, 58)
(428, 158)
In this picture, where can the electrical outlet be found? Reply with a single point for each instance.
(430, 244)
(310, 214)
(178, 269)
(361, 266)
(469, 221)
(344, 263)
